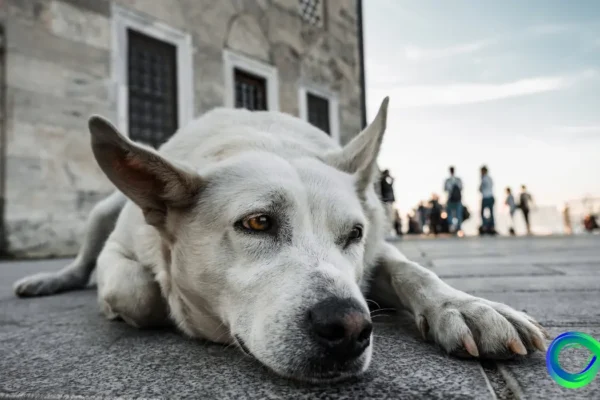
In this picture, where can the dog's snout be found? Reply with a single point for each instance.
(342, 327)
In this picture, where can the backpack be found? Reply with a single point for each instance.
(524, 201)
(455, 195)
(466, 213)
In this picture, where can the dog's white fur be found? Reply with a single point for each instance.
(168, 246)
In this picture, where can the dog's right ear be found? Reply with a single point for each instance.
(359, 157)
(146, 178)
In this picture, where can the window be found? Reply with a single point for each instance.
(311, 11)
(318, 112)
(152, 88)
(152, 74)
(320, 108)
(250, 91)
(250, 83)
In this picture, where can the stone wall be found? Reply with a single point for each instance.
(58, 73)
(2, 138)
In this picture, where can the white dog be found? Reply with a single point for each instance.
(256, 228)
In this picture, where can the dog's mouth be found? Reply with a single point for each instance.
(242, 346)
(315, 373)
(320, 376)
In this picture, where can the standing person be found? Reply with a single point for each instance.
(525, 202)
(435, 214)
(453, 186)
(567, 219)
(398, 223)
(413, 225)
(512, 207)
(487, 201)
(387, 196)
(422, 214)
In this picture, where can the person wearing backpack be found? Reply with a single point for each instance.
(453, 186)
(512, 207)
(525, 203)
(486, 188)
(387, 196)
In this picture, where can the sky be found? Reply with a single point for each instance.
(511, 84)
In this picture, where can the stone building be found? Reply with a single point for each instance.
(150, 66)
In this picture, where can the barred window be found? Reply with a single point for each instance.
(318, 112)
(152, 84)
(250, 90)
(311, 11)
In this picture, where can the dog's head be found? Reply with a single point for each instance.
(273, 249)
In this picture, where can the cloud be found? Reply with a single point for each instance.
(549, 29)
(468, 93)
(579, 129)
(415, 53)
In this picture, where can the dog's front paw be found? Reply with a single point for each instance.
(465, 325)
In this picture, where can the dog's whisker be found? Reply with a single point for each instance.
(229, 345)
(374, 302)
(382, 309)
(382, 315)
(220, 336)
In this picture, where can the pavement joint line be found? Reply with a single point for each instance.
(511, 382)
(554, 324)
(547, 268)
(495, 276)
(488, 383)
(508, 290)
(566, 264)
(20, 395)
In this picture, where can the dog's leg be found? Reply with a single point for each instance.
(127, 289)
(100, 224)
(455, 320)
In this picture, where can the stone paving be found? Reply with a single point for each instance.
(60, 347)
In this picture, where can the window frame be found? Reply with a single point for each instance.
(167, 50)
(331, 97)
(268, 72)
(124, 19)
(245, 76)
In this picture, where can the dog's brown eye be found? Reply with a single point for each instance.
(259, 223)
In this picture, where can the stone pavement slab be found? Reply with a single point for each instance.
(519, 283)
(473, 270)
(568, 308)
(555, 280)
(60, 345)
(528, 377)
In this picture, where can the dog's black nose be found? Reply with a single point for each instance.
(342, 327)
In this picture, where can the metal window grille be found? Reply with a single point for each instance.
(250, 91)
(311, 11)
(152, 84)
(318, 112)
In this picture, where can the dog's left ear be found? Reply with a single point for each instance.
(152, 182)
(360, 155)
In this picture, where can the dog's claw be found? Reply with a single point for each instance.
(541, 328)
(539, 343)
(517, 347)
(423, 326)
(470, 345)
